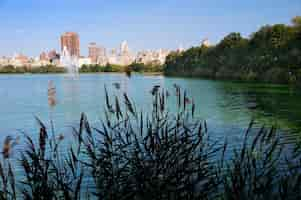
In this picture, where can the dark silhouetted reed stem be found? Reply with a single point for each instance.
(160, 155)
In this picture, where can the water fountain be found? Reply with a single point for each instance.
(70, 62)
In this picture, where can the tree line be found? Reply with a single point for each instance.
(134, 67)
(10, 69)
(272, 54)
(94, 68)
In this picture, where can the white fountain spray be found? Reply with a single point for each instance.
(70, 62)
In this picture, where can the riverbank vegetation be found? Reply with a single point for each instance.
(134, 67)
(9, 69)
(272, 54)
(160, 155)
(94, 68)
(150, 67)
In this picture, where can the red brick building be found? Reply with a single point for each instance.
(70, 40)
(94, 52)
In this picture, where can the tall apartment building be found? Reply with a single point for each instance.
(94, 52)
(43, 56)
(70, 40)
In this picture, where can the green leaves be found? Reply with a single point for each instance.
(271, 49)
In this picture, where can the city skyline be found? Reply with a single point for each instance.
(70, 51)
(72, 42)
(32, 26)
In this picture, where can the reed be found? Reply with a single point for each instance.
(161, 155)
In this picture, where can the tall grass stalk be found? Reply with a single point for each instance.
(160, 155)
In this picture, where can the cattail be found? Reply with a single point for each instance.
(117, 85)
(17, 140)
(7, 147)
(42, 140)
(129, 104)
(61, 137)
(51, 94)
(192, 108)
(155, 89)
(25, 164)
(167, 93)
(187, 100)
(118, 109)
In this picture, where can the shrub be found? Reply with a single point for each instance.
(276, 75)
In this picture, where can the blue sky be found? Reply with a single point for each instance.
(31, 26)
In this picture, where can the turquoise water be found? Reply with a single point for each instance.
(228, 107)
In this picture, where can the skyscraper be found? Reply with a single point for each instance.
(43, 56)
(97, 53)
(52, 55)
(94, 52)
(70, 40)
(125, 57)
(124, 48)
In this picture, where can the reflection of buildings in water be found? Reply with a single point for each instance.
(125, 83)
(71, 99)
(75, 98)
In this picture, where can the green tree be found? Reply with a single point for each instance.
(297, 21)
(272, 54)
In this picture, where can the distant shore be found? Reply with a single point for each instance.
(151, 69)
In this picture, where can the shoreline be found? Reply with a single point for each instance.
(197, 76)
(61, 73)
(189, 76)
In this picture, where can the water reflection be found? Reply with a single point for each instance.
(270, 105)
(70, 98)
(227, 106)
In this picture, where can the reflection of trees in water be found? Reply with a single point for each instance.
(271, 105)
(284, 109)
(230, 102)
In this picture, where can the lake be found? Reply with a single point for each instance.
(228, 107)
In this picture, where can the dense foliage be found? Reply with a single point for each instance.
(163, 155)
(134, 67)
(272, 54)
(99, 68)
(94, 68)
(141, 67)
(43, 69)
